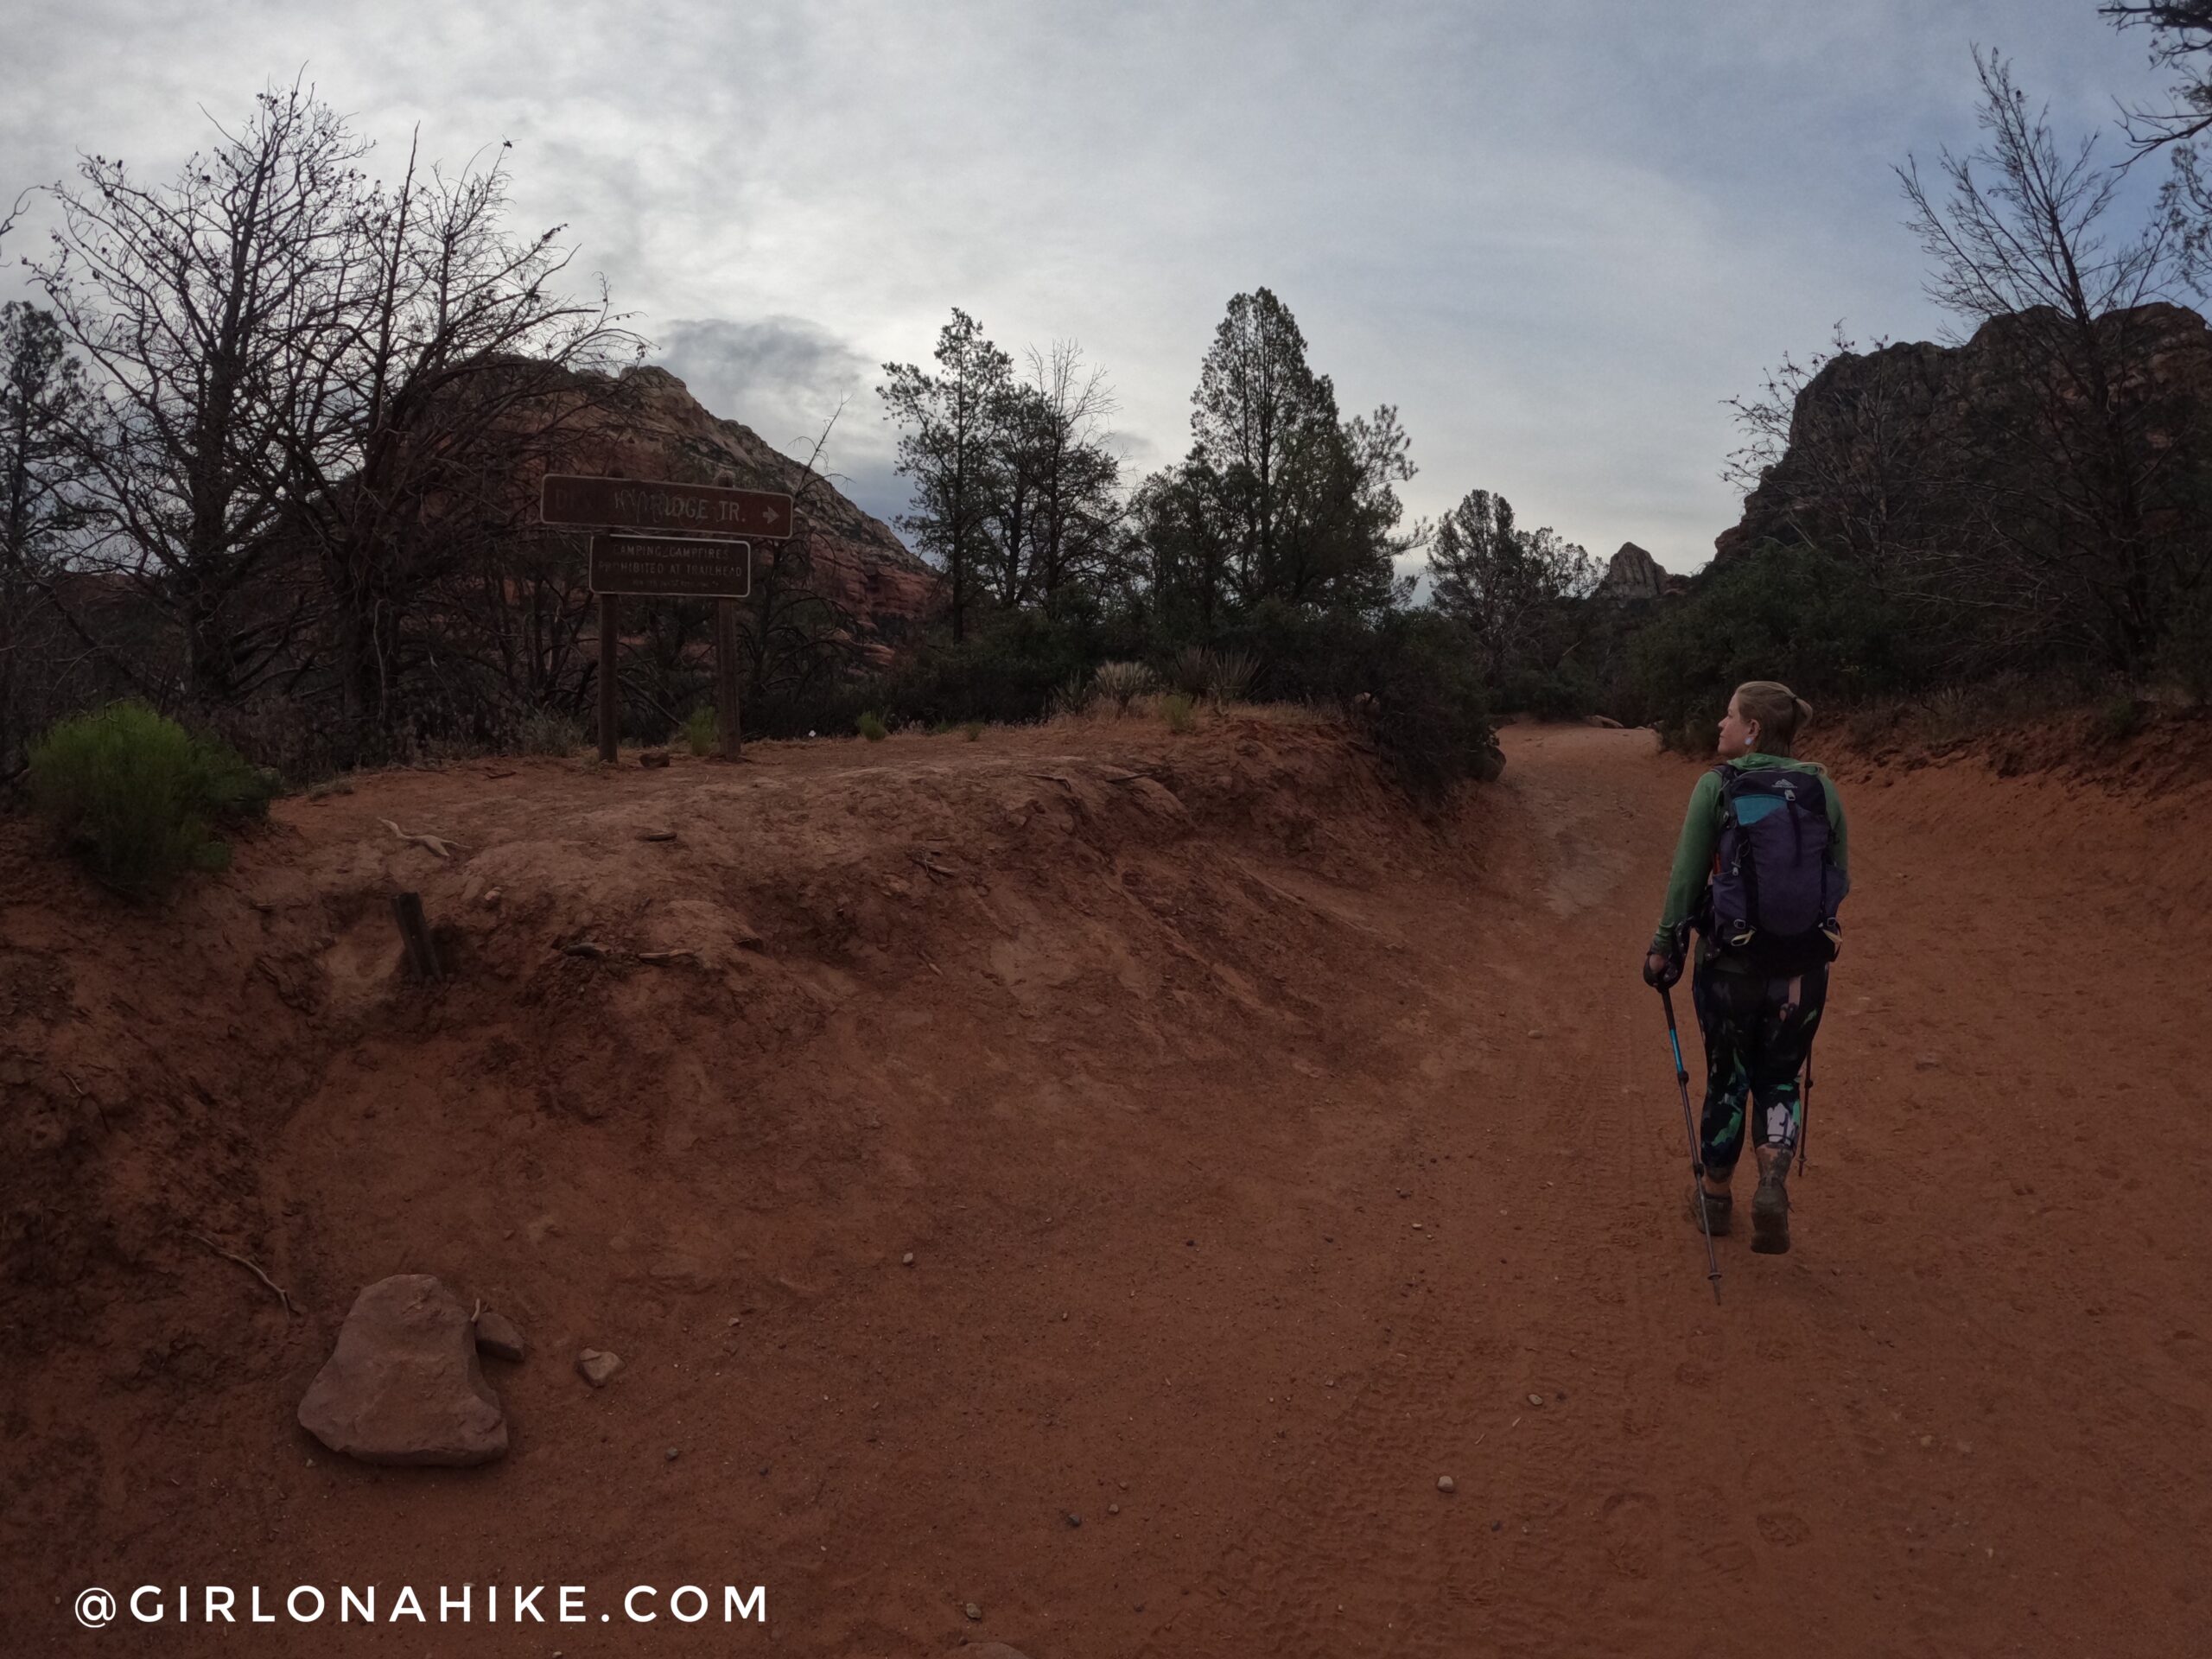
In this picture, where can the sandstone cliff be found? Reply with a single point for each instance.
(1880, 442)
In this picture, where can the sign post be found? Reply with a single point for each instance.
(704, 558)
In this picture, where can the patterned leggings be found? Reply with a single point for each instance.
(1759, 1029)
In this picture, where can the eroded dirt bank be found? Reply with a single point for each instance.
(1263, 1152)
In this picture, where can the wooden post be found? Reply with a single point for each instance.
(610, 701)
(415, 931)
(726, 675)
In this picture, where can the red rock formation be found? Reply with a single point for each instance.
(859, 564)
(1898, 421)
(1633, 574)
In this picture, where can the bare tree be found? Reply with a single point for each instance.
(451, 371)
(1059, 445)
(2067, 476)
(203, 305)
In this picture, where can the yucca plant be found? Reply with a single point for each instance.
(1123, 683)
(1229, 675)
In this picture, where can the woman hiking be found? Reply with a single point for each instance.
(1762, 864)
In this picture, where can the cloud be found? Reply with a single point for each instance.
(1555, 237)
(788, 377)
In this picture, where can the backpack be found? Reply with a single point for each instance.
(1774, 888)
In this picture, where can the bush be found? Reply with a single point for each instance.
(1409, 677)
(138, 796)
(1178, 711)
(1565, 693)
(1189, 669)
(2185, 653)
(1792, 614)
(1123, 683)
(2120, 718)
(1428, 707)
(972, 730)
(871, 727)
(702, 732)
(1073, 697)
(1229, 675)
(545, 731)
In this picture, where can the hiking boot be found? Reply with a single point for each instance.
(1770, 1219)
(1717, 1208)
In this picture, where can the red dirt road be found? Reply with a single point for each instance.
(1265, 1155)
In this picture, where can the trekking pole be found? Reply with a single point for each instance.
(1690, 1126)
(1805, 1107)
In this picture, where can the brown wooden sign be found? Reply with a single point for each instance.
(671, 567)
(629, 504)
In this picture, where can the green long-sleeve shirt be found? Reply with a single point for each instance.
(1701, 835)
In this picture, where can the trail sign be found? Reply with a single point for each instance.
(710, 562)
(631, 504)
(671, 567)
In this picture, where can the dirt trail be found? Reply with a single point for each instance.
(1265, 1155)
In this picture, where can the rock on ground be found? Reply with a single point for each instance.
(496, 1335)
(403, 1386)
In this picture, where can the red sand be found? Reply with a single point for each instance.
(1264, 1151)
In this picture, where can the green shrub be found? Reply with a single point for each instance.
(702, 732)
(972, 730)
(871, 727)
(138, 796)
(1178, 711)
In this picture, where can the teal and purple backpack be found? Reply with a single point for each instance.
(1775, 890)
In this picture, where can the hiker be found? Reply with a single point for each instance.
(1759, 870)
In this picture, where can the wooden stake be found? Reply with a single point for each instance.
(414, 931)
(610, 702)
(726, 675)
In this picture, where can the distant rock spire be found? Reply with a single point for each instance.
(1634, 574)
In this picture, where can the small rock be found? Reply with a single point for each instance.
(491, 898)
(403, 1385)
(1602, 722)
(591, 948)
(670, 1454)
(1445, 1484)
(973, 1610)
(1927, 1062)
(653, 758)
(907, 1260)
(1112, 1508)
(1072, 1518)
(1535, 1399)
(496, 1335)
(656, 835)
(595, 1368)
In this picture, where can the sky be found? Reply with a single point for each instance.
(1557, 235)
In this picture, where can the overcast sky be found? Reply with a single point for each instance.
(1557, 233)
